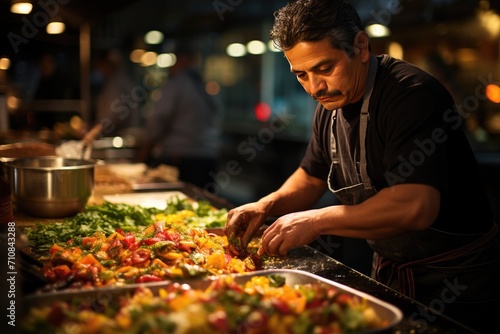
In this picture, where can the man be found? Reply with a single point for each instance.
(184, 128)
(116, 108)
(387, 142)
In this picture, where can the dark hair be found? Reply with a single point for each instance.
(314, 20)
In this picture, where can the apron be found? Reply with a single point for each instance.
(418, 264)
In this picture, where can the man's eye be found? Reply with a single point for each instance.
(325, 69)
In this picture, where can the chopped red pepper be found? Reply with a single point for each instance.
(128, 240)
(152, 241)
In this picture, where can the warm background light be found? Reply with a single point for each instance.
(256, 47)
(4, 63)
(135, 55)
(493, 93)
(236, 50)
(212, 87)
(377, 30)
(153, 37)
(166, 60)
(55, 28)
(395, 50)
(21, 8)
(271, 47)
(149, 58)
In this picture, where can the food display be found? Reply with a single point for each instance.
(129, 268)
(274, 302)
(163, 251)
(137, 246)
(107, 217)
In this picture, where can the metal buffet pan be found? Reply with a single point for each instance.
(384, 311)
(103, 296)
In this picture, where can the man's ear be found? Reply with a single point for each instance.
(362, 45)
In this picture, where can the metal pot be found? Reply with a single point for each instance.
(29, 149)
(51, 186)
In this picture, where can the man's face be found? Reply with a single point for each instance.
(329, 75)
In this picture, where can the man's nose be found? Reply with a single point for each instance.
(317, 85)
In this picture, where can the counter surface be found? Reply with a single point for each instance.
(418, 318)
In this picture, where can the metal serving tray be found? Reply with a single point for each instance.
(101, 297)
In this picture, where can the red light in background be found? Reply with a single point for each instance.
(262, 112)
(212, 87)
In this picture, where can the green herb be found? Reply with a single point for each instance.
(104, 218)
(107, 217)
(276, 281)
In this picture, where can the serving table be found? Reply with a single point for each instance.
(417, 318)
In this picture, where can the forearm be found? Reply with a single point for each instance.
(299, 192)
(392, 211)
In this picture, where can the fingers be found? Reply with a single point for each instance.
(236, 228)
(267, 237)
(242, 223)
(248, 235)
(260, 251)
(277, 247)
(274, 242)
(229, 228)
(224, 228)
(230, 231)
(232, 227)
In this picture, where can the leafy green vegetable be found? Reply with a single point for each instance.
(107, 217)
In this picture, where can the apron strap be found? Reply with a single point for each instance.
(363, 121)
(405, 271)
(333, 142)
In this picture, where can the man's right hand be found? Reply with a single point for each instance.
(242, 223)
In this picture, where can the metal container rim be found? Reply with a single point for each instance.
(65, 163)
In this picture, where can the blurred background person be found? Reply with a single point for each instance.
(184, 128)
(53, 84)
(118, 98)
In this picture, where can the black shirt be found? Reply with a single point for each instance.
(414, 135)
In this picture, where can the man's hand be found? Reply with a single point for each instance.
(299, 192)
(242, 223)
(290, 231)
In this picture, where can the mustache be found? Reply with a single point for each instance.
(327, 94)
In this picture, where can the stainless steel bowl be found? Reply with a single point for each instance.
(51, 186)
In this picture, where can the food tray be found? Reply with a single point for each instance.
(385, 311)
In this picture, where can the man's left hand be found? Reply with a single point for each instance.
(290, 231)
